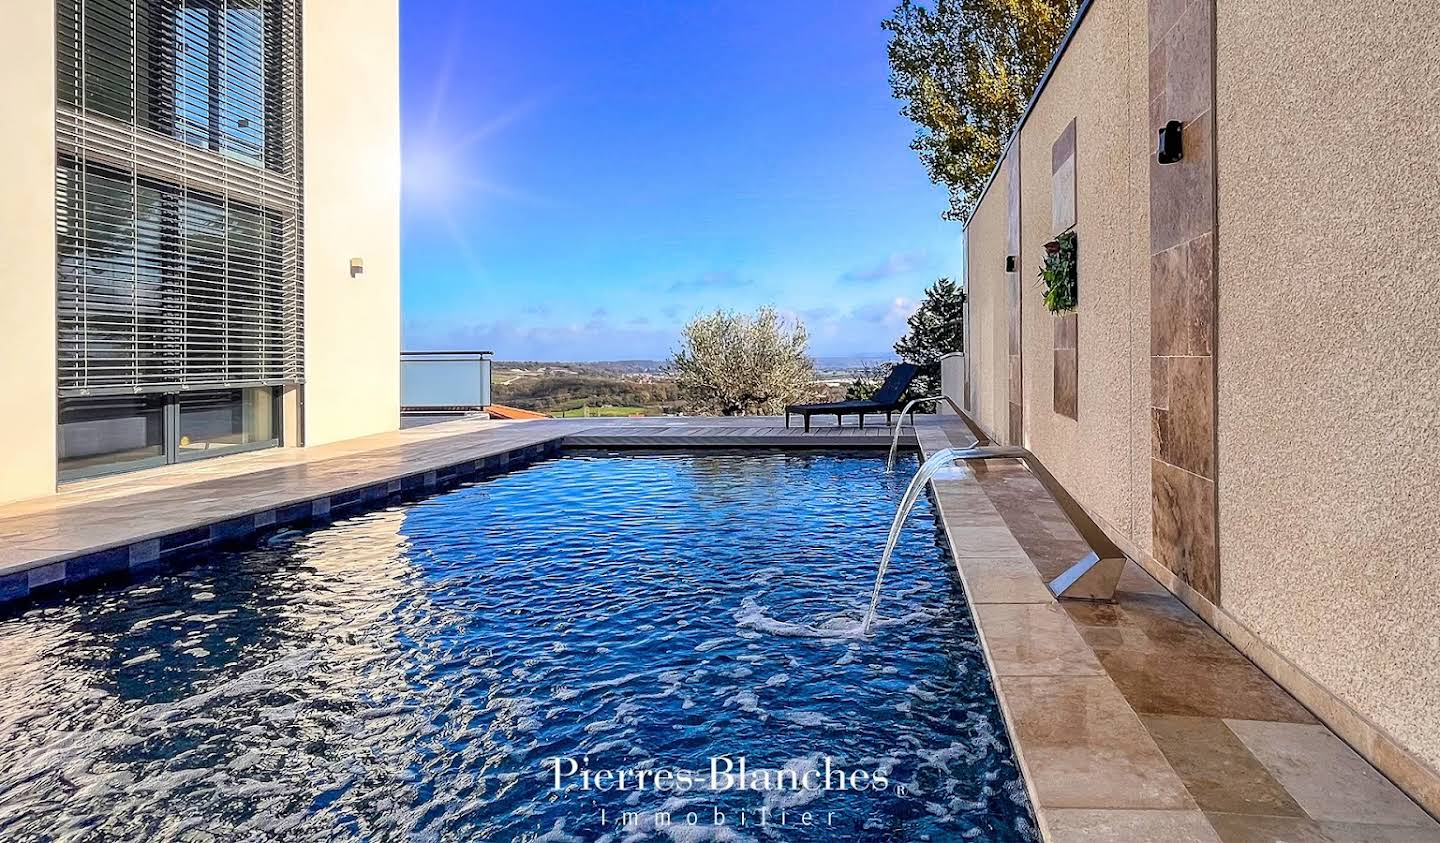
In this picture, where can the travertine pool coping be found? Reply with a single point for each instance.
(1136, 722)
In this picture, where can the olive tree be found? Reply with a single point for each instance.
(738, 364)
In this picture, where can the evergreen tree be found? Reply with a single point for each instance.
(936, 328)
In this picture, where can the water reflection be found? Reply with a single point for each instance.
(406, 673)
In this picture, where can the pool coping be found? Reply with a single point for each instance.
(1098, 751)
(148, 551)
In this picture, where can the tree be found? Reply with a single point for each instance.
(936, 329)
(965, 70)
(737, 364)
(867, 380)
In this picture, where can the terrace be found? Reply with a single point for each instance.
(400, 635)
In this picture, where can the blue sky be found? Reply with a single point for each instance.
(583, 177)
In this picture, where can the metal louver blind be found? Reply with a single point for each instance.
(178, 195)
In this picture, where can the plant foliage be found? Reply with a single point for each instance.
(936, 328)
(1057, 273)
(736, 364)
(965, 70)
(867, 381)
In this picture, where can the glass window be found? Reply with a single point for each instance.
(101, 435)
(217, 421)
(211, 73)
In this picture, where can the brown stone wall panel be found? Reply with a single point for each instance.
(1062, 198)
(1067, 386)
(1185, 429)
(1012, 281)
(1182, 295)
(1067, 331)
(1063, 201)
(1067, 365)
(1012, 238)
(1162, 17)
(1183, 513)
(1182, 298)
(1012, 199)
(1159, 387)
(1182, 195)
(1181, 68)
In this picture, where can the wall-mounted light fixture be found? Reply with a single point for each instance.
(357, 267)
(1171, 146)
(1009, 263)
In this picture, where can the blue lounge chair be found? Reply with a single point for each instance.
(887, 399)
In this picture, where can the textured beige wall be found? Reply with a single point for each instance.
(27, 242)
(1329, 386)
(1103, 458)
(985, 265)
(352, 210)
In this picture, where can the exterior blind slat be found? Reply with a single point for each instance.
(180, 215)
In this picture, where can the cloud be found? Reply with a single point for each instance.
(900, 263)
(670, 311)
(599, 313)
(817, 314)
(639, 321)
(592, 339)
(890, 311)
(712, 281)
(536, 310)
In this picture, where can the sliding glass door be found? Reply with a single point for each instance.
(105, 435)
(225, 421)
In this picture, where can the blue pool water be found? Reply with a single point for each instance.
(426, 671)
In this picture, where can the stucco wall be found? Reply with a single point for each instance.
(352, 198)
(1329, 389)
(27, 242)
(986, 347)
(1103, 457)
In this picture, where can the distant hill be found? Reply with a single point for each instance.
(625, 386)
(848, 363)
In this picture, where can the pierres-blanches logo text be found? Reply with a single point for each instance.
(725, 773)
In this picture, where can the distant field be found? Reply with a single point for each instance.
(566, 389)
(593, 412)
(622, 388)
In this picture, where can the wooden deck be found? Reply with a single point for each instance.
(741, 432)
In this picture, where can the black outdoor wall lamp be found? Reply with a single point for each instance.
(1009, 263)
(1171, 146)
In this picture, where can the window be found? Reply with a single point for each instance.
(212, 74)
(213, 423)
(161, 288)
(100, 436)
(179, 212)
(179, 227)
(123, 433)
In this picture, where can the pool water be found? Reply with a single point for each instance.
(433, 670)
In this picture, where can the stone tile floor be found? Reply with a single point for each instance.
(1135, 721)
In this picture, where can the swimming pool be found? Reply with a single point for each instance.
(598, 647)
